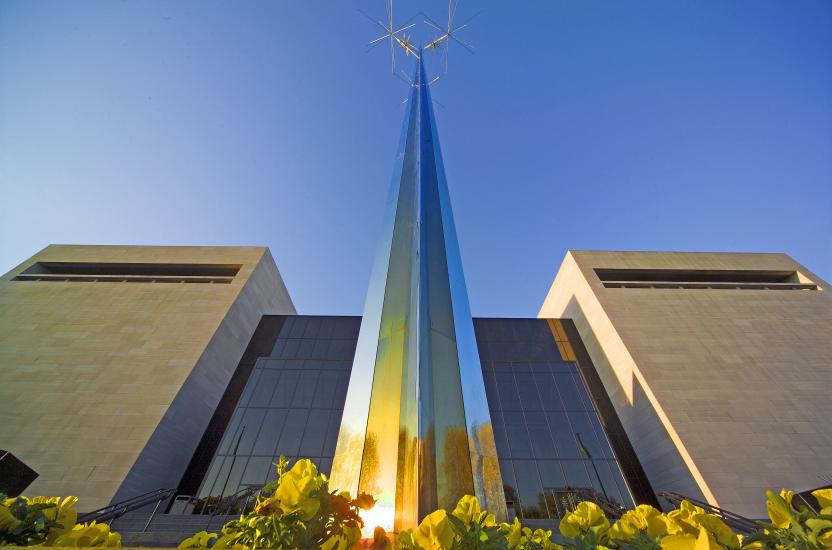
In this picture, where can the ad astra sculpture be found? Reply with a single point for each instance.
(416, 431)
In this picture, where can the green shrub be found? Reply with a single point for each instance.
(42, 521)
(295, 511)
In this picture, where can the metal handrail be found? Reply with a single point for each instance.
(741, 523)
(112, 511)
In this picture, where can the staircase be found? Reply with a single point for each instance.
(165, 530)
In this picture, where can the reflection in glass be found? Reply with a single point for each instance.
(289, 406)
(545, 408)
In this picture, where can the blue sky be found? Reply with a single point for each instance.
(638, 125)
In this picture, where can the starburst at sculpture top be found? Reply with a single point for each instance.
(399, 38)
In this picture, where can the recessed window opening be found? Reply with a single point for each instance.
(129, 272)
(704, 279)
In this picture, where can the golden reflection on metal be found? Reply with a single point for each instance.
(416, 431)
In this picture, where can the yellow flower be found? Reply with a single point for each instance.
(295, 487)
(779, 511)
(89, 534)
(787, 495)
(468, 510)
(514, 533)
(824, 497)
(702, 541)
(818, 526)
(720, 531)
(435, 532)
(587, 517)
(199, 540)
(644, 519)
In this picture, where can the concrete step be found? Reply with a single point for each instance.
(188, 524)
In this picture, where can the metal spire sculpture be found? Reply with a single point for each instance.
(416, 430)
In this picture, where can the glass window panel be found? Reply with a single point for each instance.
(344, 328)
(584, 431)
(623, 490)
(305, 391)
(232, 481)
(249, 426)
(569, 393)
(298, 327)
(562, 366)
(524, 330)
(563, 435)
(583, 392)
(509, 400)
(288, 322)
(273, 363)
(251, 385)
(340, 365)
(321, 349)
(211, 476)
(551, 474)
(327, 325)
(292, 432)
(230, 432)
(576, 474)
(510, 488)
(327, 386)
(520, 366)
(332, 433)
(305, 349)
(341, 392)
(500, 438)
(601, 437)
(325, 466)
(313, 437)
(540, 367)
(542, 444)
(265, 386)
(548, 393)
(532, 502)
(285, 390)
(528, 391)
(608, 479)
(518, 437)
(502, 366)
(490, 389)
(256, 471)
(294, 364)
(290, 350)
(222, 476)
(341, 350)
(270, 433)
(279, 346)
(313, 325)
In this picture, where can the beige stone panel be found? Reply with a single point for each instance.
(88, 370)
(739, 378)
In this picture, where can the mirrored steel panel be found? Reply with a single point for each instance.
(416, 430)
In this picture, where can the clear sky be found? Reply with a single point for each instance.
(632, 125)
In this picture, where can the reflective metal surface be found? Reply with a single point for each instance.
(416, 430)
